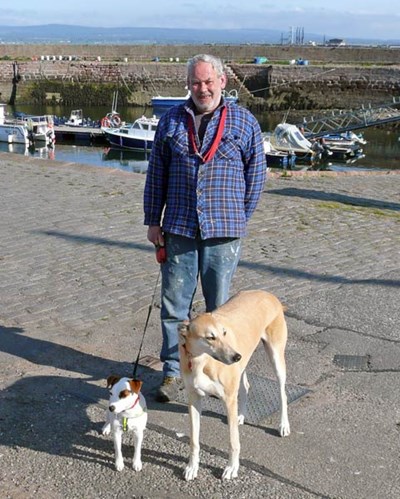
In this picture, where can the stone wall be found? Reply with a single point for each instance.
(234, 53)
(272, 86)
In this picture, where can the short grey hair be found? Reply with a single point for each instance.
(215, 62)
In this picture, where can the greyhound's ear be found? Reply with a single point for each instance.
(183, 328)
(111, 380)
(136, 385)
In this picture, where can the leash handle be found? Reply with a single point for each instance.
(161, 254)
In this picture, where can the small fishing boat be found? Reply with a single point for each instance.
(345, 138)
(163, 103)
(75, 118)
(344, 145)
(12, 132)
(137, 136)
(40, 128)
(288, 138)
(275, 158)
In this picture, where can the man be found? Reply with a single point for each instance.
(206, 172)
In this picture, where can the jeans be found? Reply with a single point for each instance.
(214, 261)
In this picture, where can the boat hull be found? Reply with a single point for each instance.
(14, 134)
(126, 142)
(278, 159)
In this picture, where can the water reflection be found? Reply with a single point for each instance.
(131, 161)
(28, 150)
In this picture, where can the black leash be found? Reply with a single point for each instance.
(145, 326)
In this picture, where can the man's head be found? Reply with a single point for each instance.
(206, 79)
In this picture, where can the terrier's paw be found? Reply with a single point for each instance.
(106, 430)
(137, 465)
(119, 464)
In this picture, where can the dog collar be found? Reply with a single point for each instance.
(133, 405)
(125, 419)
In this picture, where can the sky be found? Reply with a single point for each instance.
(338, 18)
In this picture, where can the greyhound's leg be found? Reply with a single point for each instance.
(231, 470)
(194, 415)
(276, 354)
(242, 400)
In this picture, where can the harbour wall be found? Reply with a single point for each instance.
(88, 75)
(235, 53)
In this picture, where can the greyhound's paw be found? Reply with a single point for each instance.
(230, 472)
(106, 430)
(137, 465)
(119, 464)
(284, 429)
(241, 419)
(191, 472)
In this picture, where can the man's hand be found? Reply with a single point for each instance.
(155, 235)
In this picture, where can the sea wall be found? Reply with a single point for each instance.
(234, 53)
(90, 79)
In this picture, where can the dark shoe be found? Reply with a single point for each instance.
(169, 389)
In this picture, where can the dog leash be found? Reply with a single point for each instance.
(161, 258)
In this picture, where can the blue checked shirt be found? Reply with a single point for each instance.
(216, 199)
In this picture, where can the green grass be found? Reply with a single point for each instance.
(363, 210)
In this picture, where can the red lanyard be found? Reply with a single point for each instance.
(217, 139)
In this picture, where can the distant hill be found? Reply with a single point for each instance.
(63, 34)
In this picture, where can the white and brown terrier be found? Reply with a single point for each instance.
(126, 411)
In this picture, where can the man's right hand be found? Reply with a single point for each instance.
(155, 235)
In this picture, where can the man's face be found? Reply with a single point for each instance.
(206, 87)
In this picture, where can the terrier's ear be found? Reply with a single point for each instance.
(135, 385)
(111, 380)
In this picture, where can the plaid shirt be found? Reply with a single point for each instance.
(187, 196)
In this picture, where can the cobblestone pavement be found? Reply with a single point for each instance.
(77, 279)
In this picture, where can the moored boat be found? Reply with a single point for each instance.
(12, 132)
(75, 118)
(162, 103)
(288, 138)
(137, 136)
(40, 128)
(275, 158)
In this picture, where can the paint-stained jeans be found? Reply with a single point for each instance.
(214, 261)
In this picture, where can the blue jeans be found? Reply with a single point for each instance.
(214, 261)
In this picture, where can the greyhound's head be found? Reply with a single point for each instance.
(206, 335)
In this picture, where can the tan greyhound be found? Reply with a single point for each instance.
(215, 349)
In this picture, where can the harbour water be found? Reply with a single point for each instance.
(382, 150)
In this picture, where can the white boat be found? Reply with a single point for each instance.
(344, 145)
(40, 128)
(346, 138)
(75, 118)
(12, 133)
(288, 138)
(137, 136)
